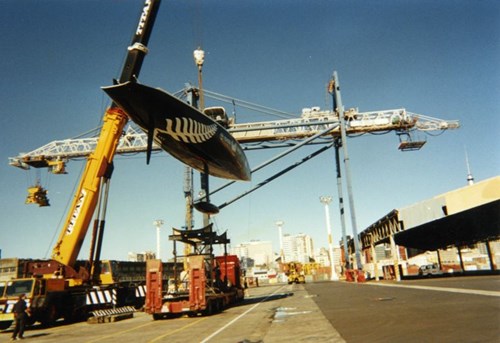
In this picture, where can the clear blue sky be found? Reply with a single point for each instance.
(438, 58)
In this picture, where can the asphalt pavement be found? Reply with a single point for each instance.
(458, 309)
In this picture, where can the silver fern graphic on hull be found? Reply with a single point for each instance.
(188, 130)
(181, 130)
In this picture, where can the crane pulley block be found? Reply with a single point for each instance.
(57, 167)
(37, 195)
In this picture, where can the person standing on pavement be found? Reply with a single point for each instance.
(20, 311)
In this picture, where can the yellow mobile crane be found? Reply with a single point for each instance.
(294, 272)
(57, 289)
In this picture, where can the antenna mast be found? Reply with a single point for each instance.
(470, 178)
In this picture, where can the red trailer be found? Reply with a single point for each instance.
(208, 285)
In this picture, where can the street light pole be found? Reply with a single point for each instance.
(199, 59)
(280, 224)
(158, 223)
(325, 200)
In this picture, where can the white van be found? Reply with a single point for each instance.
(429, 270)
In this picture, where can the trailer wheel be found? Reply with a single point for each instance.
(157, 316)
(210, 308)
(217, 306)
(68, 318)
(220, 305)
(174, 315)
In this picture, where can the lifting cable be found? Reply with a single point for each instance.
(197, 24)
(275, 176)
(283, 154)
(29, 182)
(249, 105)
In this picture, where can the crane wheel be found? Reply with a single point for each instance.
(50, 316)
(4, 325)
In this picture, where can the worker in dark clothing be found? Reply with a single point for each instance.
(20, 311)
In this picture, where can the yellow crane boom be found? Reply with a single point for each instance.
(85, 201)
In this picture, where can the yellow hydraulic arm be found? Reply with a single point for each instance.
(82, 209)
(99, 163)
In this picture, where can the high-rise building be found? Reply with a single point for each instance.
(261, 252)
(298, 248)
(322, 257)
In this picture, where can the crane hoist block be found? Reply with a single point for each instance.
(37, 195)
(57, 167)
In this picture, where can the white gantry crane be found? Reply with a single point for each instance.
(254, 135)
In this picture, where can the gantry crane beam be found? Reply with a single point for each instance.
(55, 154)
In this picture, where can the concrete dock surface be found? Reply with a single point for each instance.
(456, 309)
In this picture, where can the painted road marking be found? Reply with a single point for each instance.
(240, 316)
(177, 330)
(119, 333)
(442, 289)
